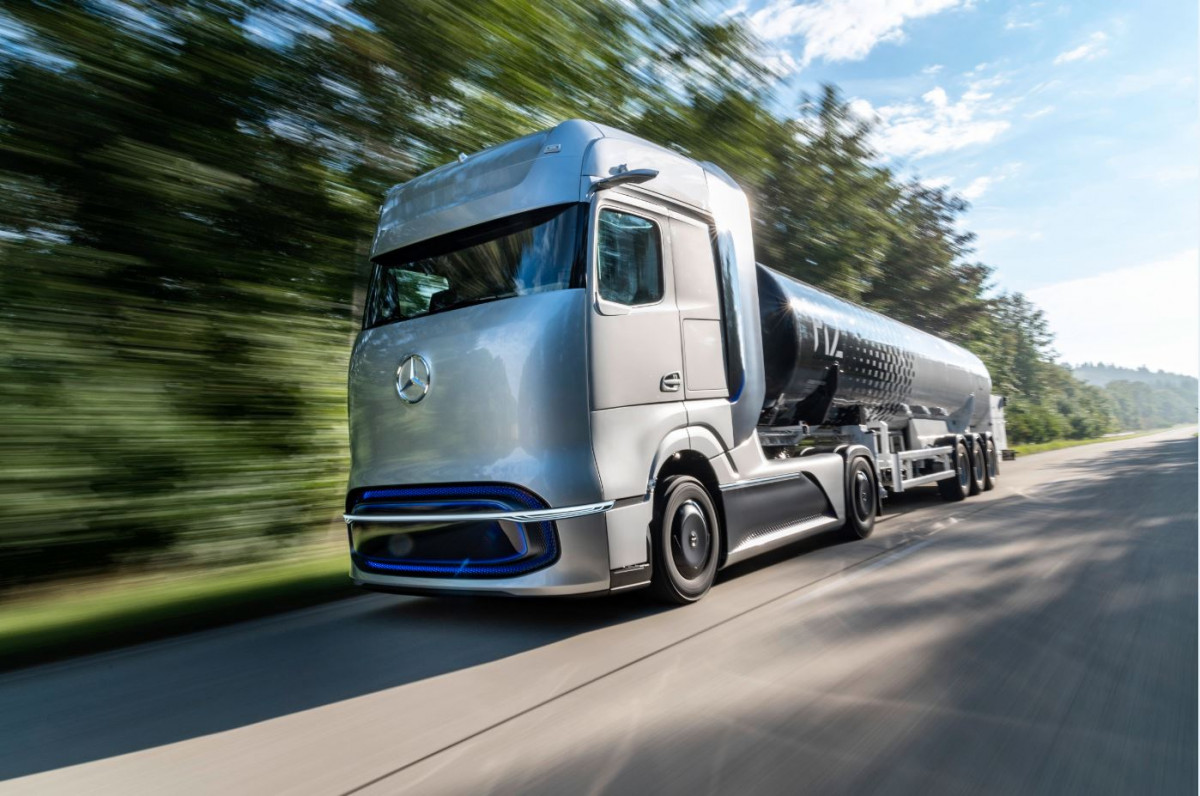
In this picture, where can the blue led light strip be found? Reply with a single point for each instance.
(453, 495)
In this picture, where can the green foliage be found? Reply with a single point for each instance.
(190, 194)
(1143, 406)
(824, 211)
(1102, 375)
(1144, 399)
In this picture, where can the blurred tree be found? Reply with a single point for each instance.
(165, 290)
(1139, 405)
(924, 278)
(825, 207)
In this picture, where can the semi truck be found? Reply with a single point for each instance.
(573, 378)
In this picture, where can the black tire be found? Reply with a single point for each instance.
(687, 541)
(862, 499)
(991, 458)
(978, 466)
(959, 487)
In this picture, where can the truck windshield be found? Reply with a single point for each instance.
(528, 253)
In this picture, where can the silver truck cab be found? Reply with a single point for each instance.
(508, 429)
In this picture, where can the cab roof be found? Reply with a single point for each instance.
(550, 167)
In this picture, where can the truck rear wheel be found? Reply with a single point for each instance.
(862, 499)
(978, 466)
(959, 486)
(991, 459)
(687, 541)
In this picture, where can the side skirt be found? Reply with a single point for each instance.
(780, 536)
(771, 512)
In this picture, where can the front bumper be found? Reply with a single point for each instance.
(500, 541)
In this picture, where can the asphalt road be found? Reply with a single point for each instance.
(1038, 638)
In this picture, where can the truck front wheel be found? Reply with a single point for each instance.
(687, 541)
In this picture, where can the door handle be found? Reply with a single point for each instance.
(671, 382)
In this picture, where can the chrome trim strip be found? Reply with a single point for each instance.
(770, 479)
(535, 515)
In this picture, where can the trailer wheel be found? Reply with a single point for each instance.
(992, 461)
(687, 541)
(862, 499)
(959, 487)
(978, 466)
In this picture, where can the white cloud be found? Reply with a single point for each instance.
(938, 124)
(977, 187)
(1023, 17)
(932, 69)
(1089, 50)
(1040, 112)
(982, 184)
(1143, 315)
(936, 182)
(842, 30)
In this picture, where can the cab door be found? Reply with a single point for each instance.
(699, 303)
(636, 354)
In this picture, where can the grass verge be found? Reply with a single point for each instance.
(1042, 447)
(84, 620)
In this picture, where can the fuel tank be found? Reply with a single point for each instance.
(827, 360)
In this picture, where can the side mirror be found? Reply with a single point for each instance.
(623, 177)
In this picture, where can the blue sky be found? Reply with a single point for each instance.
(1072, 127)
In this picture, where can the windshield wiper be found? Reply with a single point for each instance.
(470, 303)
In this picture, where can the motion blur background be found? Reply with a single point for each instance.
(189, 193)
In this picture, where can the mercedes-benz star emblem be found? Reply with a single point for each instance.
(412, 378)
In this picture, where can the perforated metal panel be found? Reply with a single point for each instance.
(885, 368)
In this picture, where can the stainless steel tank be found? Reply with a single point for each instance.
(829, 361)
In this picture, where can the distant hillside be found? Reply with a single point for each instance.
(1102, 375)
(1143, 399)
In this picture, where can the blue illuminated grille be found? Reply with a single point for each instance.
(537, 546)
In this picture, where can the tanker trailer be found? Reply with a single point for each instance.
(830, 364)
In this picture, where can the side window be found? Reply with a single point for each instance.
(629, 258)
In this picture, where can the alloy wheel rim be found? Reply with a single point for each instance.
(691, 539)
